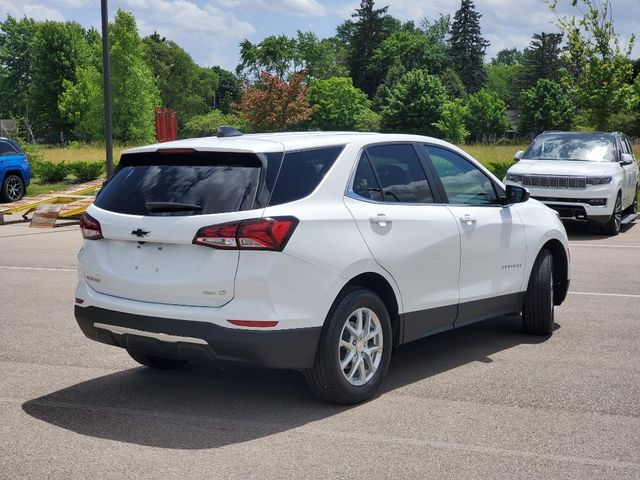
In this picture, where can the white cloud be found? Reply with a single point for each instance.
(31, 10)
(188, 17)
(301, 8)
(74, 3)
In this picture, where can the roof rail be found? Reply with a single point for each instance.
(228, 131)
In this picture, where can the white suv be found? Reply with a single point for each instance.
(590, 177)
(313, 251)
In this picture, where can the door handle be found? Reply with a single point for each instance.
(380, 219)
(467, 220)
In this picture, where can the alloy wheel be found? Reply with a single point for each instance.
(361, 345)
(14, 188)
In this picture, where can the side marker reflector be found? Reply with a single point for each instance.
(254, 323)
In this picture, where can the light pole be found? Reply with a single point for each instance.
(108, 141)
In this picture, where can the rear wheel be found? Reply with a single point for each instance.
(12, 188)
(354, 350)
(538, 311)
(159, 363)
(612, 227)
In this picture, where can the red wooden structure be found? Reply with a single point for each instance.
(166, 128)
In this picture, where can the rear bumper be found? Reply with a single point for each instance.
(200, 341)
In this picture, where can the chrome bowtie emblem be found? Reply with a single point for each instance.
(140, 232)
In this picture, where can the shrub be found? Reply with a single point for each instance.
(499, 169)
(50, 172)
(86, 171)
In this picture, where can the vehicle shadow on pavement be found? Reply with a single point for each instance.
(202, 407)
(582, 231)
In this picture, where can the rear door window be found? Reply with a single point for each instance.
(301, 172)
(365, 183)
(183, 184)
(401, 176)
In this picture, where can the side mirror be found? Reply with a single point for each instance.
(518, 156)
(516, 194)
(627, 159)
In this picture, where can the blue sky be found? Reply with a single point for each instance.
(210, 30)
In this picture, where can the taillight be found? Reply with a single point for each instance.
(255, 234)
(90, 227)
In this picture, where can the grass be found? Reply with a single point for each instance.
(85, 153)
(486, 154)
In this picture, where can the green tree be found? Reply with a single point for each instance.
(59, 49)
(467, 47)
(542, 59)
(207, 124)
(283, 57)
(361, 36)
(228, 90)
(600, 73)
(321, 58)
(16, 39)
(453, 84)
(507, 57)
(134, 93)
(545, 106)
(413, 49)
(184, 86)
(391, 79)
(501, 79)
(368, 121)
(339, 105)
(453, 120)
(487, 116)
(414, 104)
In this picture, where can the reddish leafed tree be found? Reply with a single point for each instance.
(276, 104)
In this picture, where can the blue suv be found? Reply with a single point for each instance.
(15, 171)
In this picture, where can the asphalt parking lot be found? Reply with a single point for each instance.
(484, 401)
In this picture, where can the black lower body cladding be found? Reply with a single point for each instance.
(291, 349)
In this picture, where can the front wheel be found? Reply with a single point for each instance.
(12, 188)
(538, 311)
(354, 350)
(612, 227)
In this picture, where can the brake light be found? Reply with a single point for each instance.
(254, 234)
(175, 151)
(90, 227)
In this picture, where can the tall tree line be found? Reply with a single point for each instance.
(375, 73)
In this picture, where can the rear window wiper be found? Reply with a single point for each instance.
(172, 207)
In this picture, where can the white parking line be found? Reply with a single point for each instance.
(6, 267)
(628, 295)
(577, 244)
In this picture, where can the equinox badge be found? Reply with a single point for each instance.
(140, 233)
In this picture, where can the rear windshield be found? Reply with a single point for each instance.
(187, 184)
(201, 183)
(594, 147)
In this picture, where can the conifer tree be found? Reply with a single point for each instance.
(467, 47)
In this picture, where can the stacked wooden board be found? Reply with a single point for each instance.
(49, 207)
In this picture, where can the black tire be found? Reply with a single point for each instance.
(612, 227)
(159, 363)
(538, 311)
(633, 208)
(327, 379)
(12, 188)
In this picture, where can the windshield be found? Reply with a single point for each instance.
(580, 147)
